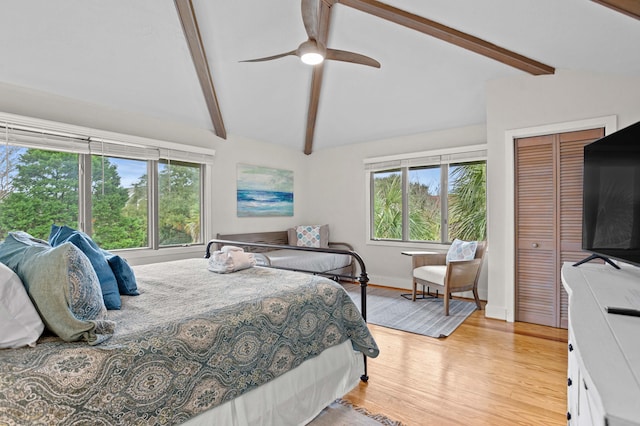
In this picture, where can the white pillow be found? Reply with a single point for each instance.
(20, 324)
(461, 250)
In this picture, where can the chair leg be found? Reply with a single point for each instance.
(475, 296)
(413, 295)
(446, 304)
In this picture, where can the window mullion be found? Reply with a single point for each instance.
(405, 204)
(444, 203)
(153, 205)
(205, 220)
(84, 193)
(372, 234)
(204, 200)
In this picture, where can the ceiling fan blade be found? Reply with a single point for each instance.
(269, 58)
(356, 58)
(310, 9)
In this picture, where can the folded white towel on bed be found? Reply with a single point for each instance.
(228, 249)
(230, 259)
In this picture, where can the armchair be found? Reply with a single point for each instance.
(432, 270)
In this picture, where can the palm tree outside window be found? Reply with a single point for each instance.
(429, 203)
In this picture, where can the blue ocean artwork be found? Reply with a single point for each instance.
(264, 191)
(264, 203)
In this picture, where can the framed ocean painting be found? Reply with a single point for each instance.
(264, 191)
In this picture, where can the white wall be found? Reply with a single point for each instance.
(40, 105)
(337, 182)
(46, 106)
(329, 184)
(240, 150)
(530, 104)
(514, 106)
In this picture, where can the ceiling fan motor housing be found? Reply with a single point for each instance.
(311, 52)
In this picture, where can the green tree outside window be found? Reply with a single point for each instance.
(40, 188)
(466, 200)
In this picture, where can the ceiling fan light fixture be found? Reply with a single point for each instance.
(312, 58)
(311, 52)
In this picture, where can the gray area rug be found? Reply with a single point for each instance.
(342, 413)
(386, 307)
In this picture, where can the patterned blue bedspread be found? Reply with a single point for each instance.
(192, 340)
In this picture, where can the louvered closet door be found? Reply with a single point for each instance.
(548, 221)
(570, 202)
(536, 292)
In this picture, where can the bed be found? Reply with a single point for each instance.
(257, 346)
(277, 249)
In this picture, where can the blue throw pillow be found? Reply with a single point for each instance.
(125, 277)
(108, 283)
(59, 234)
(124, 274)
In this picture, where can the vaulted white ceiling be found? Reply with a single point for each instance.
(132, 56)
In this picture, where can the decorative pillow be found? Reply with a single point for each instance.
(121, 270)
(63, 286)
(308, 235)
(461, 250)
(321, 235)
(59, 234)
(106, 276)
(20, 324)
(125, 277)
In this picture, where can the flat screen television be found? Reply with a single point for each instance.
(611, 197)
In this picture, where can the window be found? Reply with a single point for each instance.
(424, 203)
(467, 201)
(39, 188)
(387, 206)
(179, 203)
(119, 202)
(427, 198)
(106, 189)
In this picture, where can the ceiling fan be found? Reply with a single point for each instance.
(312, 51)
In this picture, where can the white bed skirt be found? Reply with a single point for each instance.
(294, 398)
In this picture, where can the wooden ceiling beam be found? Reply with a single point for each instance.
(449, 35)
(194, 41)
(316, 77)
(628, 7)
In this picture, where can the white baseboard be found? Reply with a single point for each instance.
(497, 312)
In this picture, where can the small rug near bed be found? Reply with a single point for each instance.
(386, 307)
(343, 413)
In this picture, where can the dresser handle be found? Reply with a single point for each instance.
(570, 347)
(569, 381)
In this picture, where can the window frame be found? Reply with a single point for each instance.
(404, 162)
(86, 142)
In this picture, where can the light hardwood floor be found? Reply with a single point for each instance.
(488, 372)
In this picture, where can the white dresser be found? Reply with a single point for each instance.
(604, 349)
